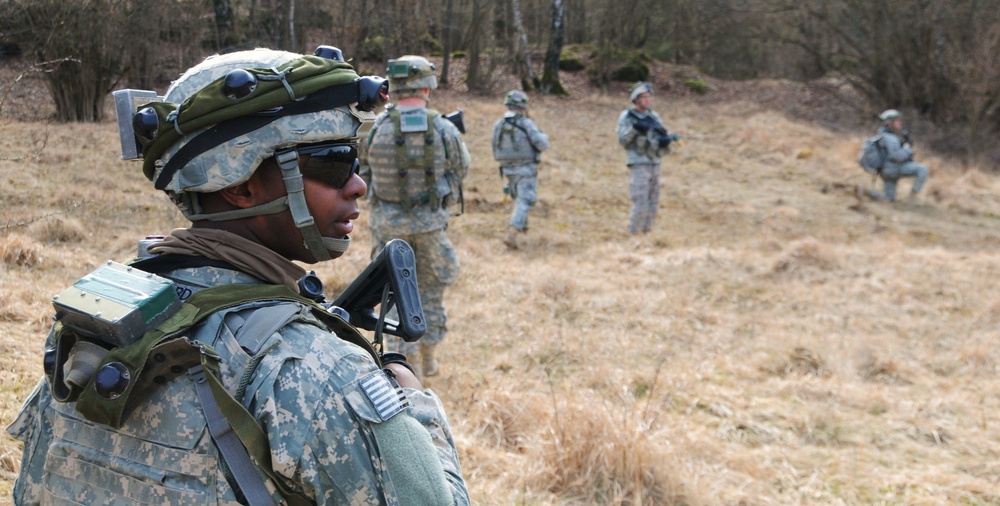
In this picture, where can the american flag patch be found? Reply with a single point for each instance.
(388, 399)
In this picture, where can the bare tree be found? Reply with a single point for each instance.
(90, 60)
(225, 24)
(473, 77)
(550, 76)
(448, 35)
(522, 53)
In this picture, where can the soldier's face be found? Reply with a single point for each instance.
(333, 209)
(644, 101)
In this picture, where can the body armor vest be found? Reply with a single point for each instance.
(408, 160)
(513, 143)
(179, 464)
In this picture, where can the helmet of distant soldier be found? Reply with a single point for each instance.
(409, 75)
(517, 99)
(638, 89)
(889, 115)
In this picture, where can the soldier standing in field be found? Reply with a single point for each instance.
(645, 139)
(415, 160)
(518, 144)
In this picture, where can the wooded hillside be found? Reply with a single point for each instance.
(934, 59)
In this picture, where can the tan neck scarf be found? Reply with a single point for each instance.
(244, 254)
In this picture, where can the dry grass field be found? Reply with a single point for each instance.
(775, 340)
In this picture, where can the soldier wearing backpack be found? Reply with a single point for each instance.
(415, 160)
(264, 398)
(898, 158)
(518, 144)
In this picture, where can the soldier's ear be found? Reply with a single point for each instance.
(237, 196)
(264, 185)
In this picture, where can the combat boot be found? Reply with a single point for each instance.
(511, 238)
(428, 364)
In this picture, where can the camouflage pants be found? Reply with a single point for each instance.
(893, 172)
(437, 267)
(523, 183)
(644, 190)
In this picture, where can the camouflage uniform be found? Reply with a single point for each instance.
(898, 161)
(517, 144)
(417, 206)
(307, 376)
(328, 438)
(644, 156)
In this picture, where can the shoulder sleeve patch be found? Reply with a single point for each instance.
(375, 398)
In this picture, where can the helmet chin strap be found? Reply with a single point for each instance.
(319, 246)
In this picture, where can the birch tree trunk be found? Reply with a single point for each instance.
(522, 55)
(550, 76)
(448, 34)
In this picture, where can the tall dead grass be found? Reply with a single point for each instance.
(774, 340)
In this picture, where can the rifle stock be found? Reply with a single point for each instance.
(392, 276)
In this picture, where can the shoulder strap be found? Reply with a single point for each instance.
(512, 120)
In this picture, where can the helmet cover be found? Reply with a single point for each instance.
(889, 115)
(234, 161)
(410, 73)
(516, 99)
(638, 89)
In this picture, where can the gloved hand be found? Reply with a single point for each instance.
(403, 372)
(666, 139)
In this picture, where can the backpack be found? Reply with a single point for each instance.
(873, 155)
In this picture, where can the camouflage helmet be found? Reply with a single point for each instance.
(409, 74)
(638, 89)
(233, 161)
(889, 115)
(516, 99)
(225, 116)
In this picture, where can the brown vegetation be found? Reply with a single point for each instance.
(775, 339)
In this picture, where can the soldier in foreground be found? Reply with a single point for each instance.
(646, 140)
(258, 149)
(415, 161)
(518, 144)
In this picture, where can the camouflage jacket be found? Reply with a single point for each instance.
(642, 148)
(326, 439)
(518, 141)
(897, 151)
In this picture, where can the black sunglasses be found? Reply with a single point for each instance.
(332, 163)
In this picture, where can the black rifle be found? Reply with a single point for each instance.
(390, 280)
(456, 118)
(644, 125)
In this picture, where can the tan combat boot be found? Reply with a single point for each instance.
(428, 364)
